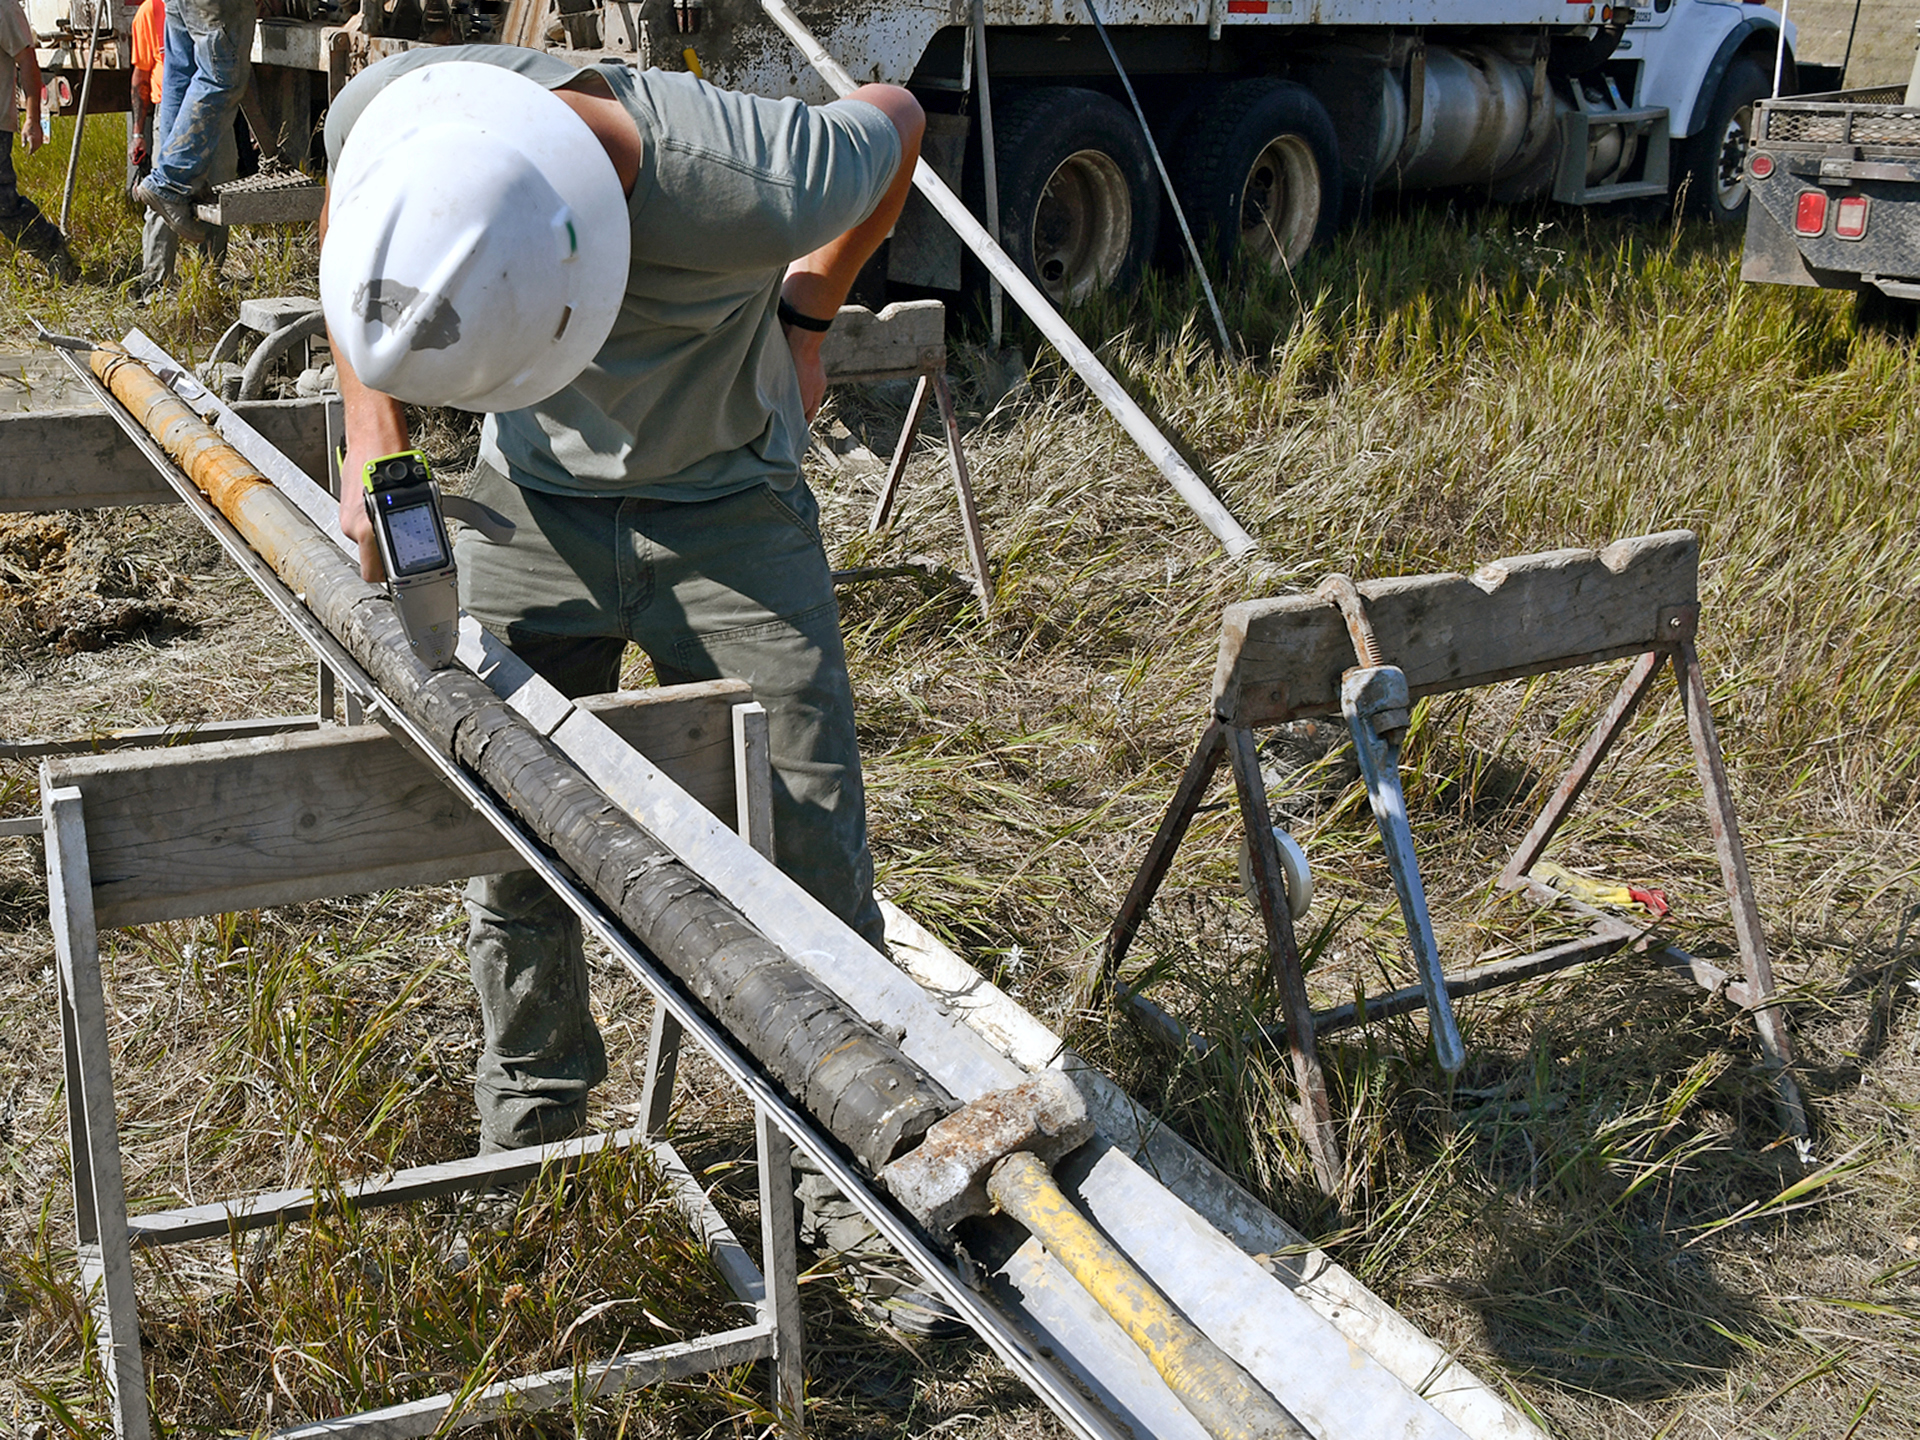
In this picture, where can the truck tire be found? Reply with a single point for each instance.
(1715, 164)
(1259, 173)
(1079, 200)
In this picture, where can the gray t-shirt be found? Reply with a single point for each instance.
(694, 394)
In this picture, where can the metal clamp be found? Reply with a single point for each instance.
(1379, 709)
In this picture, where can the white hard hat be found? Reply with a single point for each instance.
(477, 241)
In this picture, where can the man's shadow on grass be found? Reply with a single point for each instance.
(1598, 1181)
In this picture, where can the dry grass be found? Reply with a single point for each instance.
(1598, 1213)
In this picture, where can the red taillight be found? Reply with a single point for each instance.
(1850, 217)
(1760, 166)
(1810, 214)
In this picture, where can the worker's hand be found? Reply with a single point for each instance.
(805, 345)
(137, 150)
(31, 135)
(354, 523)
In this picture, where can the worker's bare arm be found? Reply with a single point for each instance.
(817, 284)
(27, 76)
(142, 110)
(376, 426)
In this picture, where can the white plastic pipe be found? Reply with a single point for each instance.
(989, 161)
(1039, 309)
(1779, 56)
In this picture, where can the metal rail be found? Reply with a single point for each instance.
(1039, 309)
(1040, 1373)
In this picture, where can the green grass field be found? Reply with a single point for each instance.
(1598, 1214)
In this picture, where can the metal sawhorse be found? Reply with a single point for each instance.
(1282, 660)
(204, 829)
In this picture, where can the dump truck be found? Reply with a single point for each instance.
(1835, 181)
(1276, 121)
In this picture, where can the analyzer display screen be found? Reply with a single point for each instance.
(418, 541)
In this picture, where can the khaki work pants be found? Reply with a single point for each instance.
(734, 588)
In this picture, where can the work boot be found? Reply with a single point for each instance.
(46, 244)
(484, 1218)
(177, 213)
(891, 1293)
(40, 238)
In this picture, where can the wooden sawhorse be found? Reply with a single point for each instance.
(204, 829)
(1282, 660)
(908, 341)
(82, 459)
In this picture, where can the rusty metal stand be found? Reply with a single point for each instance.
(1303, 1025)
(1757, 994)
(908, 342)
(935, 380)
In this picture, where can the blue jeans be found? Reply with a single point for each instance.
(160, 247)
(734, 588)
(209, 59)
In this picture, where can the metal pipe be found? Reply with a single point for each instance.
(1222, 1396)
(1847, 58)
(1779, 54)
(1039, 309)
(1166, 181)
(989, 160)
(79, 120)
(1377, 708)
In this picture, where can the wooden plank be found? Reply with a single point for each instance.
(105, 1258)
(1282, 658)
(218, 1219)
(201, 829)
(753, 777)
(525, 22)
(187, 732)
(687, 730)
(780, 1300)
(81, 459)
(906, 338)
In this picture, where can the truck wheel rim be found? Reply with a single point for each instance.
(1730, 177)
(1280, 202)
(1082, 227)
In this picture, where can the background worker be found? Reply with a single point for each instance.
(20, 219)
(630, 273)
(158, 244)
(208, 61)
(148, 34)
